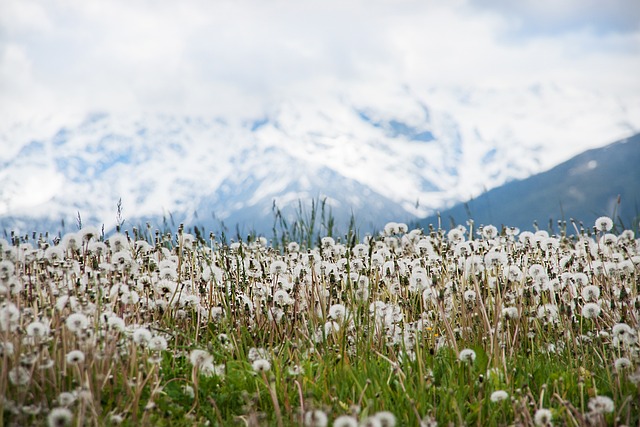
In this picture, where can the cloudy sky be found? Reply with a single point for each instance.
(233, 57)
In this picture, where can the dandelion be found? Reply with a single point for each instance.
(209, 370)
(489, 232)
(510, 313)
(59, 417)
(75, 357)
(261, 365)
(115, 323)
(77, 322)
(345, 421)
(19, 376)
(371, 421)
(467, 355)
(157, 343)
(200, 357)
(470, 296)
(601, 404)
(543, 417)
(315, 418)
(66, 398)
(604, 223)
(499, 396)
(590, 293)
(142, 336)
(591, 310)
(37, 329)
(622, 363)
(386, 418)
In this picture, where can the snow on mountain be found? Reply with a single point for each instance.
(382, 155)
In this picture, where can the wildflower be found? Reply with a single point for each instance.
(261, 365)
(200, 357)
(295, 370)
(115, 323)
(59, 417)
(489, 232)
(278, 267)
(37, 329)
(590, 293)
(157, 343)
(6, 348)
(543, 417)
(141, 336)
(604, 223)
(513, 273)
(386, 418)
(499, 396)
(510, 313)
(9, 316)
(19, 376)
(591, 310)
(66, 398)
(601, 404)
(75, 357)
(209, 369)
(371, 421)
(345, 421)
(77, 322)
(281, 297)
(337, 312)
(467, 355)
(315, 418)
(622, 363)
(470, 296)
(455, 235)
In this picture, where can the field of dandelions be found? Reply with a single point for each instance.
(468, 326)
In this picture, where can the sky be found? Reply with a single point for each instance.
(234, 57)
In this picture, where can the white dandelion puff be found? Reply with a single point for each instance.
(543, 417)
(75, 357)
(591, 310)
(59, 417)
(604, 223)
(601, 404)
(261, 365)
(467, 355)
(499, 396)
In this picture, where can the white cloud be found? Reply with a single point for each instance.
(234, 57)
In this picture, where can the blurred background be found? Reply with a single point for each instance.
(211, 112)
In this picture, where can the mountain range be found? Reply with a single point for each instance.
(399, 155)
(599, 182)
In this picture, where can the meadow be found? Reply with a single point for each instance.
(473, 325)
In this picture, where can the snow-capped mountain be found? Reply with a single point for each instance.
(380, 156)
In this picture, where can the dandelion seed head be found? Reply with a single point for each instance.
(622, 363)
(386, 418)
(591, 310)
(543, 417)
(19, 376)
(601, 404)
(261, 365)
(345, 421)
(467, 355)
(59, 417)
(141, 336)
(77, 322)
(604, 223)
(316, 418)
(499, 396)
(75, 357)
(199, 357)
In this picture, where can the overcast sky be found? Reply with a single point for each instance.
(235, 57)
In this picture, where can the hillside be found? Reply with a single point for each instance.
(602, 181)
